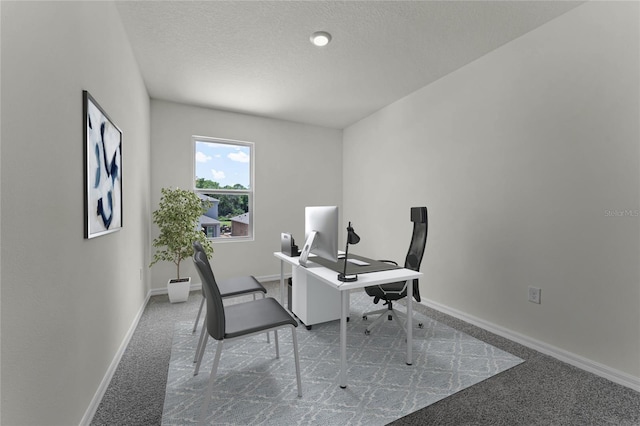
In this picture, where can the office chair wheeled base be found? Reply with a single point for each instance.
(389, 313)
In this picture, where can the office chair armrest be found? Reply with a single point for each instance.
(380, 285)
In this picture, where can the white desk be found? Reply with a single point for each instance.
(330, 278)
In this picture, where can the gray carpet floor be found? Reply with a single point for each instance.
(540, 391)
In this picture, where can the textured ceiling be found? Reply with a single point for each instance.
(256, 58)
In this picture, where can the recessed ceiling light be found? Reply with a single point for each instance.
(320, 38)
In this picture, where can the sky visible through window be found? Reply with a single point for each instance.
(222, 163)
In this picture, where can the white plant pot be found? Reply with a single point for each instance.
(179, 291)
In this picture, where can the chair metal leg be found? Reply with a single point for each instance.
(404, 316)
(204, 408)
(400, 320)
(297, 358)
(204, 336)
(399, 316)
(195, 325)
(378, 320)
(379, 311)
(202, 333)
(216, 361)
(263, 296)
(201, 354)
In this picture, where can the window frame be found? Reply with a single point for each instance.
(249, 192)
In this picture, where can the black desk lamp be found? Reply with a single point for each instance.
(352, 238)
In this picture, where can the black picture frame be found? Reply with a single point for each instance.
(102, 170)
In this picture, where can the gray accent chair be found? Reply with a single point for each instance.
(230, 287)
(240, 320)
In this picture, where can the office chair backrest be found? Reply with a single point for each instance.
(197, 246)
(215, 309)
(418, 244)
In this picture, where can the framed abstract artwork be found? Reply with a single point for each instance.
(102, 171)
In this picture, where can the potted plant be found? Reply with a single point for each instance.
(177, 217)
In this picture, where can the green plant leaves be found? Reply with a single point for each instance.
(177, 217)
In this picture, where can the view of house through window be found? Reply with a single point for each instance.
(224, 176)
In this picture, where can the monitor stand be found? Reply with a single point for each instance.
(308, 244)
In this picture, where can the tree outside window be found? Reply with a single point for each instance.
(224, 176)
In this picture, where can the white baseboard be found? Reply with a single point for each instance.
(97, 398)
(160, 291)
(581, 362)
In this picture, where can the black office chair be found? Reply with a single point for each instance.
(396, 291)
(231, 287)
(240, 320)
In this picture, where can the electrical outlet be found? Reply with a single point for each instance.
(534, 294)
(140, 274)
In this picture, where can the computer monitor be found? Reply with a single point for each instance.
(320, 233)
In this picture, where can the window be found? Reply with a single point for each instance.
(224, 176)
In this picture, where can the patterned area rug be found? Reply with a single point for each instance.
(253, 387)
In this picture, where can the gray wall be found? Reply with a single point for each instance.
(67, 303)
(295, 165)
(519, 157)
